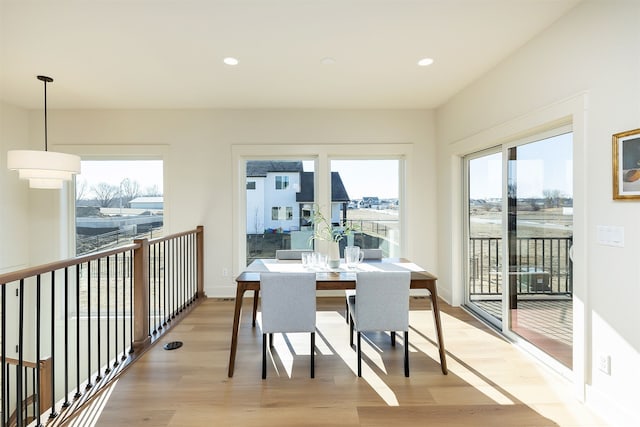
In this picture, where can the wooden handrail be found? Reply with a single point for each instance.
(58, 265)
(200, 261)
(25, 363)
(140, 322)
(176, 235)
(45, 379)
(141, 308)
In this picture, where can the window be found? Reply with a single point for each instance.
(277, 219)
(117, 201)
(282, 182)
(251, 185)
(282, 213)
(347, 178)
(365, 197)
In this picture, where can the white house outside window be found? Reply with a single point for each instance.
(333, 178)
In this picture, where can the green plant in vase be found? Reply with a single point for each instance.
(328, 236)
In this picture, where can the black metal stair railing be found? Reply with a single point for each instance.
(76, 324)
(543, 266)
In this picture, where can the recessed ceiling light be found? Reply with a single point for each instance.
(425, 62)
(328, 61)
(230, 61)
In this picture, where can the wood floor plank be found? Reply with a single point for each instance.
(490, 383)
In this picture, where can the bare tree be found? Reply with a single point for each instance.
(105, 193)
(152, 191)
(82, 188)
(130, 190)
(552, 198)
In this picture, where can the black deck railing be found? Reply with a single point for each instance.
(81, 321)
(543, 266)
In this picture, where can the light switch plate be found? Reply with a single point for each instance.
(610, 235)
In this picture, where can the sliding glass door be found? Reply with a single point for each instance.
(540, 235)
(519, 237)
(484, 230)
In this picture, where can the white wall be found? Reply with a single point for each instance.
(586, 68)
(14, 196)
(14, 211)
(197, 148)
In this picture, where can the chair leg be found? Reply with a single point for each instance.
(406, 353)
(359, 354)
(350, 331)
(346, 310)
(393, 338)
(255, 307)
(271, 340)
(313, 353)
(264, 356)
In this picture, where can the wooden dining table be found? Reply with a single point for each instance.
(332, 279)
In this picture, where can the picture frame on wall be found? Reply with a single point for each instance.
(626, 165)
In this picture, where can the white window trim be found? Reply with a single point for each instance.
(322, 155)
(573, 111)
(115, 152)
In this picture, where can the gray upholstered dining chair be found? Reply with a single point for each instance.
(372, 253)
(281, 254)
(382, 305)
(291, 253)
(288, 305)
(369, 254)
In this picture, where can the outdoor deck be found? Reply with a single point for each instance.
(548, 324)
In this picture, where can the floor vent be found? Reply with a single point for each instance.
(172, 345)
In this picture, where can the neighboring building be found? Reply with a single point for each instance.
(370, 202)
(280, 196)
(147, 203)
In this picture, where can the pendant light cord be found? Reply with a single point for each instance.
(45, 117)
(45, 80)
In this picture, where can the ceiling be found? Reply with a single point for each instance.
(115, 54)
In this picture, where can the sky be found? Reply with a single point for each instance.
(361, 178)
(147, 172)
(374, 178)
(541, 165)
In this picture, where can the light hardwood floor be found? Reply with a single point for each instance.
(490, 382)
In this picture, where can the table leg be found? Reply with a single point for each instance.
(255, 307)
(236, 323)
(438, 324)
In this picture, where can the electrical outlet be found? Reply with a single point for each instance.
(225, 272)
(604, 364)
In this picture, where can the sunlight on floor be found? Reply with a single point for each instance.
(90, 415)
(331, 339)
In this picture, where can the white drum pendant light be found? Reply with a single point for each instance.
(43, 169)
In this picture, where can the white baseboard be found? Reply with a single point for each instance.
(610, 410)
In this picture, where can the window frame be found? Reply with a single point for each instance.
(114, 152)
(108, 152)
(322, 155)
(288, 213)
(282, 182)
